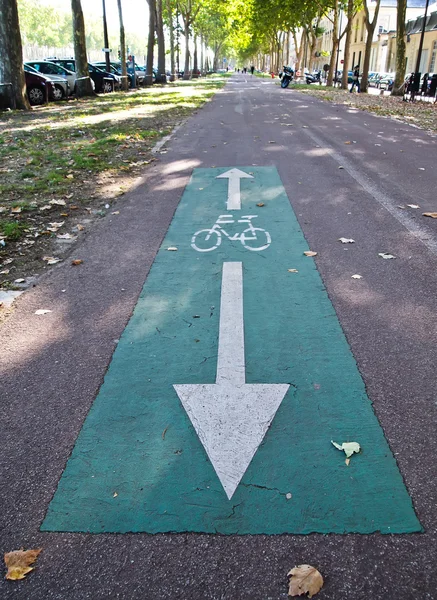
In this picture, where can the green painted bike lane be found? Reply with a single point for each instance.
(138, 464)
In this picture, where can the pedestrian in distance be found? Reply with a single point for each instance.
(356, 80)
(252, 69)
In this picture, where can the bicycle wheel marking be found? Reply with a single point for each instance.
(211, 238)
(217, 459)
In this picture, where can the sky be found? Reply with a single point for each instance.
(135, 13)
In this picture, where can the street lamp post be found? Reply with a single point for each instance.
(105, 37)
(422, 35)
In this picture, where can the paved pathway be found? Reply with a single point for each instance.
(242, 360)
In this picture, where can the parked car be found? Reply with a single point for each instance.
(116, 70)
(61, 87)
(373, 79)
(104, 82)
(386, 81)
(39, 88)
(339, 76)
(50, 69)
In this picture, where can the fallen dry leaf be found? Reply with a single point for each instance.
(346, 240)
(76, 261)
(70, 176)
(348, 447)
(413, 205)
(18, 562)
(80, 227)
(310, 253)
(347, 142)
(42, 311)
(305, 579)
(357, 276)
(57, 202)
(65, 236)
(293, 271)
(51, 260)
(172, 249)
(340, 167)
(16, 210)
(386, 255)
(260, 204)
(432, 215)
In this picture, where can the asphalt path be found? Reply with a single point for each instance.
(53, 365)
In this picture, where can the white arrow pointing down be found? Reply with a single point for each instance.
(231, 417)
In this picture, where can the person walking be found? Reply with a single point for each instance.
(356, 80)
(252, 69)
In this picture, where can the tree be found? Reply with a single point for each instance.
(170, 24)
(398, 89)
(124, 82)
(370, 26)
(352, 9)
(159, 26)
(148, 80)
(189, 10)
(11, 55)
(83, 81)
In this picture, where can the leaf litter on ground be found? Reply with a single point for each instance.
(305, 579)
(18, 562)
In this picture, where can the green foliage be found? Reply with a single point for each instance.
(44, 25)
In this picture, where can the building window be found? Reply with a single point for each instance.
(362, 31)
(356, 33)
(433, 57)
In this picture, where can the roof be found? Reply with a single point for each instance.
(416, 25)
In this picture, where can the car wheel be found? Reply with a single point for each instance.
(107, 87)
(58, 92)
(36, 95)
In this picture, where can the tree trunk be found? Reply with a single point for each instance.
(335, 42)
(287, 58)
(187, 50)
(83, 81)
(124, 81)
(195, 66)
(170, 20)
(370, 26)
(299, 50)
(347, 45)
(161, 76)
(202, 70)
(398, 89)
(148, 80)
(11, 56)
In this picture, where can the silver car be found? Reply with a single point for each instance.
(61, 87)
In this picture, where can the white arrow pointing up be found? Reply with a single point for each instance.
(234, 195)
(231, 417)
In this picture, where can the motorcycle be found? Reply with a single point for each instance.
(313, 77)
(286, 76)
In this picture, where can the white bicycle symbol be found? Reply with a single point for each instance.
(206, 240)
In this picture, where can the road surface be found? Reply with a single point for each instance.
(166, 429)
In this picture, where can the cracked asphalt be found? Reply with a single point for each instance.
(53, 366)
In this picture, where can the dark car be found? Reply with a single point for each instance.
(51, 70)
(39, 89)
(115, 69)
(104, 82)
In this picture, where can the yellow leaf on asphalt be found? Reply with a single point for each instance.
(305, 579)
(347, 142)
(432, 215)
(348, 447)
(76, 262)
(18, 562)
(310, 253)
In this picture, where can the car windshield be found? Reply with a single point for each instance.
(30, 69)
